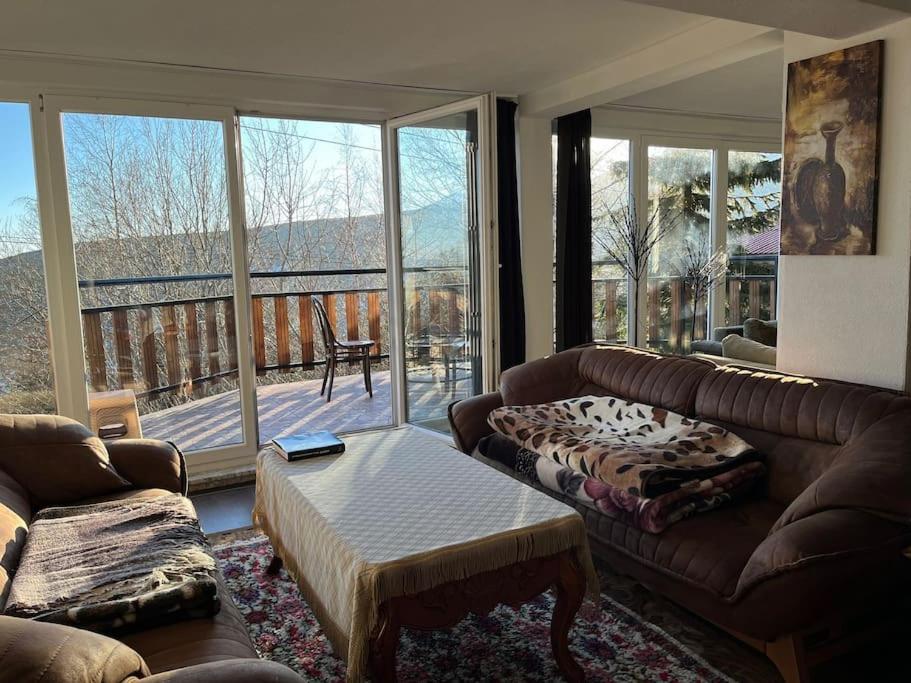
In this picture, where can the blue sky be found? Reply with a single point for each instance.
(17, 173)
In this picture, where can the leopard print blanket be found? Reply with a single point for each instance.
(640, 449)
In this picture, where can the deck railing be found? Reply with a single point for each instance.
(179, 345)
(669, 322)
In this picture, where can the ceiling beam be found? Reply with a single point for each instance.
(708, 46)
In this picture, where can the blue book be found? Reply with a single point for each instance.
(308, 445)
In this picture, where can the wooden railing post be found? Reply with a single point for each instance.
(259, 334)
(734, 301)
(124, 348)
(305, 314)
(654, 311)
(610, 310)
(773, 302)
(454, 311)
(212, 351)
(282, 333)
(94, 351)
(352, 311)
(676, 338)
(149, 348)
(191, 325)
(171, 348)
(416, 312)
(755, 302)
(231, 334)
(373, 321)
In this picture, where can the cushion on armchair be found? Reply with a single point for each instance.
(55, 459)
(762, 331)
(739, 348)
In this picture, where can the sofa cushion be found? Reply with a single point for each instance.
(706, 551)
(762, 331)
(56, 459)
(15, 514)
(195, 641)
(739, 348)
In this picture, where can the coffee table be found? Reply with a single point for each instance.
(405, 531)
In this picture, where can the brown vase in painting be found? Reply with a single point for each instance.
(829, 189)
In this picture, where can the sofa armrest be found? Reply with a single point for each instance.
(148, 463)
(52, 653)
(468, 419)
(872, 473)
(229, 671)
(835, 546)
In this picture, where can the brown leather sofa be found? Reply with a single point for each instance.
(813, 560)
(190, 651)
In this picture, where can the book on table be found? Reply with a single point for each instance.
(308, 445)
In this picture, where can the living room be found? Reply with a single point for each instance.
(540, 342)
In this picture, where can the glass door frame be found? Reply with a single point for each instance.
(63, 292)
(484, 107)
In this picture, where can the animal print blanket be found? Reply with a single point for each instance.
(646, 465)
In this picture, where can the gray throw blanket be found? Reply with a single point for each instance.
(112, 565)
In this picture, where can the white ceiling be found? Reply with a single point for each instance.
(511, 46)
(828, 18)
(752, 87)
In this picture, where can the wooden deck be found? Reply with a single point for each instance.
(297, 406)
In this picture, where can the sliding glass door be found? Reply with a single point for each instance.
(26, 376)
(440, 199)
(147, 200)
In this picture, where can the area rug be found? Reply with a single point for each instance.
(612, 644)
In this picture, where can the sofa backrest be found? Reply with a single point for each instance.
(15, 514)
(800, 423)
(664, 381)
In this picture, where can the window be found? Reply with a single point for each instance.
(151, 228)
(610, 179)
(753, 221)
(683, 264)
(610, 197)
(26, 379)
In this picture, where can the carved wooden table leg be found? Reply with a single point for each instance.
(570, 590)
(275, 566)
(383, 647)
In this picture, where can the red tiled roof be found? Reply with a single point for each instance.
(761, 244)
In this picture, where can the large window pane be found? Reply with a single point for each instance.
(26, 379)
(753, 213)
(316, 234)
(683, 265)
(610, 199)
(151, 229)
(438, 200)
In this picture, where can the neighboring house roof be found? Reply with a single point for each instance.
(763, 243)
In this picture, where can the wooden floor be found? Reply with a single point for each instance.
(291, 407)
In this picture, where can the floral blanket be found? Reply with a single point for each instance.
(645, 465)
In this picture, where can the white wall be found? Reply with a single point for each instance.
(536, 220)
(846, 317)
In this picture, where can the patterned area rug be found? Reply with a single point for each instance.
(611, 644)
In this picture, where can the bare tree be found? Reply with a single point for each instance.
(702, 269)
(630, 243)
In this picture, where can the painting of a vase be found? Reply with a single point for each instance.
(831, 153)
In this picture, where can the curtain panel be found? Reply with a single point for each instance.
(574, 231)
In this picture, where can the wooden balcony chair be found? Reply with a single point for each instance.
(350, 351)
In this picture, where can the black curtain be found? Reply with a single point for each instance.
(512, 297)
(574, 230)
